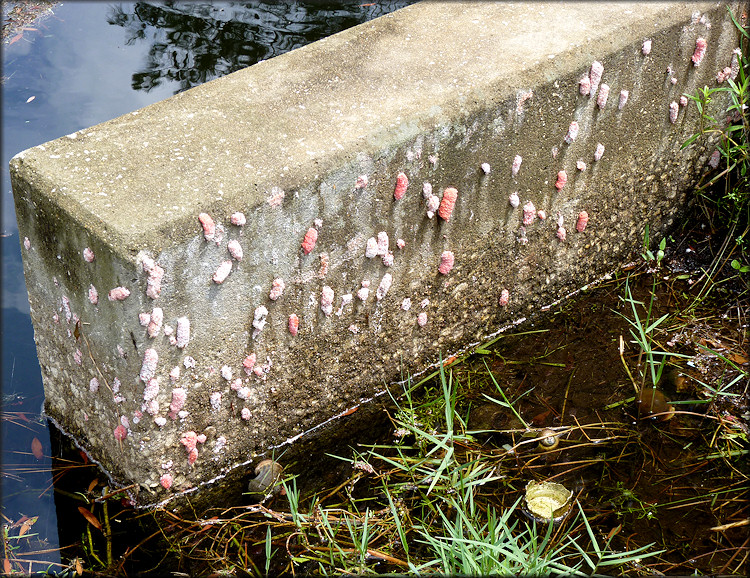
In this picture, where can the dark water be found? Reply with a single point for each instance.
(84, 64)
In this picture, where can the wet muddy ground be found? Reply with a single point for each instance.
(676, 482)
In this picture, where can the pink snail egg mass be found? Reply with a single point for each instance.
(118, 294)
(121, 432)
(448, 203)
(308, 243)
(402, 182)
(293, 324)
(222, 272)
(562, 179)
(166, 481)
(446, 262)
(209, 227)
(583, 219)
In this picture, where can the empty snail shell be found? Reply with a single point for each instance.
(652, 403)
(548, 440)
(267, 474)
(547, 501)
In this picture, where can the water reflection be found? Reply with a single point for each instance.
(192, 43)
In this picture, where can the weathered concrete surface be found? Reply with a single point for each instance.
(433, 91)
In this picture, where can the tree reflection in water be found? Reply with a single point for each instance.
(193, 42)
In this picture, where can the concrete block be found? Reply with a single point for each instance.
(196, 361)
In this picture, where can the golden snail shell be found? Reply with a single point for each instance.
(548, 440)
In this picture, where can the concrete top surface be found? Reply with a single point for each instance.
(230, 141)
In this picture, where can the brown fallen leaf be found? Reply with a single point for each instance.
(614, 531)
(79, 567)
(18, 522)
(93, 484)
(20, 415)
(7, 568)
(737, 358)
(26, 526)
(541, 418)
(36, 448)
(90, 517)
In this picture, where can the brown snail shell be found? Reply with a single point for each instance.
(652, 403)
(267, 474)
(675, 379)
(548, 440)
